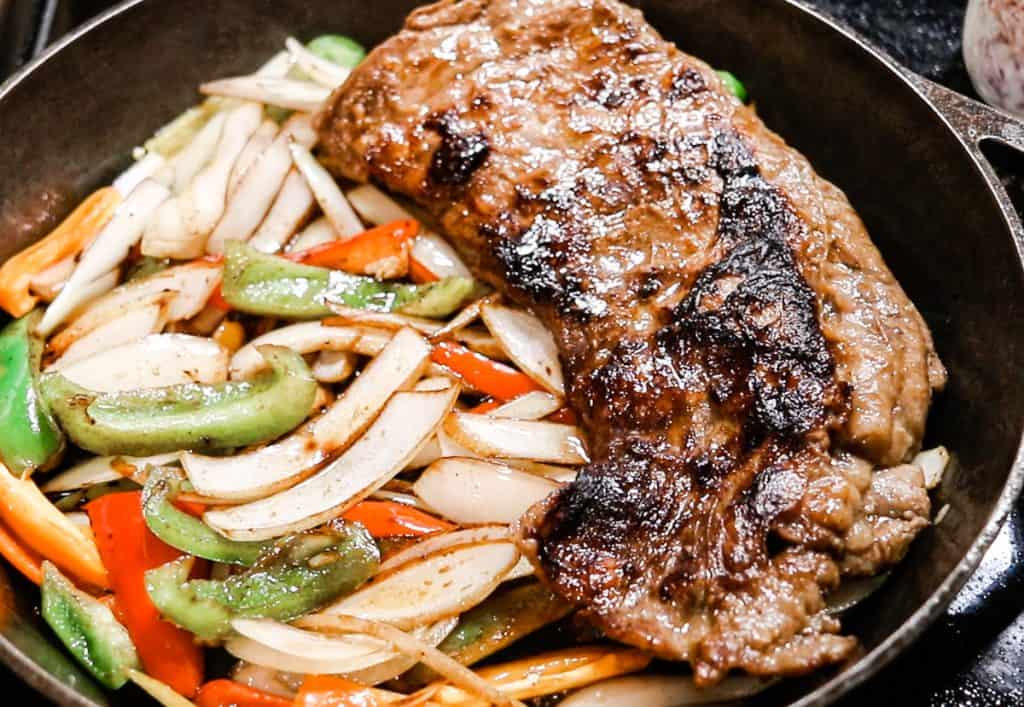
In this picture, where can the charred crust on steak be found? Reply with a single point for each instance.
(460, 153)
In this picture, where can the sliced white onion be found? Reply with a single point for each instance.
(317, 233)
(558, 474)
(284, 647)
(159, 691)
(367, 660)
(253, 150)
(430, 250)
(529, 406)
(439, 662)
(430, 453)
(151, 362)
(517, 439)
(334, 366)
(277, 67)
(255, 193)
(306, 338)
(451, 449)
(443, 542)
(100, 470)
(528, 343)
(381, 320)
(107, 251)
(469, 491)
(136, 323)
(139, 171)
(434, 587)
(933, 463)
(260, 677)
(663, 691)
(333, 202)
(291, 208)
(179, 171)
(434, 383)
(265, 470)
(523, 568)
(47, 283)
(326, 73)
(285, 93)
(400, 662)
(481, 342)
(466, 316)
(404, 426)
(190, 285)
(181, 227)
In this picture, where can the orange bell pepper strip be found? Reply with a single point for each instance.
(167, 652)
(359, 254)
(386, 519)
(481, 373)
(69, 238)
(40, 527)
(331, 691)
(25, 560)
(228, 693)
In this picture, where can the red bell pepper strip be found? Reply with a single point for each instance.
(330, 691)
(490, 377)
(228, 693)
(420, 273)
(386, 519)
(563, 416)
(128, 550)
(358, 254)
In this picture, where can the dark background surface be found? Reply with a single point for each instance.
(974, 655)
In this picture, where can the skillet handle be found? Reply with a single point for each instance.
(973, 120)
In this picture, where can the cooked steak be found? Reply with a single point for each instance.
(739, 354)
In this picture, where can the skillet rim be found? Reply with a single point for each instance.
(911, 629)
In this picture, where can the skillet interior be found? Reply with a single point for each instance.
(70, 127)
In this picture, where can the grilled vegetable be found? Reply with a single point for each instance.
(186, 533)
(298, 575)
(128, 549)
(87, 629)
(31, 438)
(502, 619)
(267, 285)
(338, 49)
(188, 416)
(734, 85)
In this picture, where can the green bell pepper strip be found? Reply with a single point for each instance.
(88, 629)
(298, 575)
(734, 85)
(502, 619)
(338, 49)
(257, 283)
(192, 416)
(186, 533)
(31, 438)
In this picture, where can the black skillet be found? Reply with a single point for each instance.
(906, 151)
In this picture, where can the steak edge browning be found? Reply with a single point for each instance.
(739, 354)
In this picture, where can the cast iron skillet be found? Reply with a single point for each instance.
(905, 150)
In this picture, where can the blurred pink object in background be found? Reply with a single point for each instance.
(994, 51)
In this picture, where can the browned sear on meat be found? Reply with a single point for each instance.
(739, 354)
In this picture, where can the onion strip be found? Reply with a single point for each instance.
(402, 642)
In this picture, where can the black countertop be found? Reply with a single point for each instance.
(974, 655)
